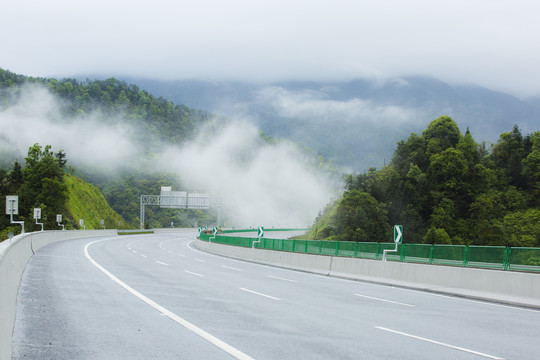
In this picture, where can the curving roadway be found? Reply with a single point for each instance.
(157, 297)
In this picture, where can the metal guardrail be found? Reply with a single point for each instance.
(491, 257)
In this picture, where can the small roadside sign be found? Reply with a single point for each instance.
(58, 218)
(37, 213)
(398, 234)
(215, 230)
(12, 205)
(260, 233)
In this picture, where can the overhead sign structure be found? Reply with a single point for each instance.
(179, 200)
(398, 234)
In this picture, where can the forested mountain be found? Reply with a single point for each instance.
(443, 187)
(354, 123)
(153, 123)
(159, 120)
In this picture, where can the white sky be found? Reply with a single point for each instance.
(493, 43)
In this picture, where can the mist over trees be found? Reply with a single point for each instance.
(445, 188)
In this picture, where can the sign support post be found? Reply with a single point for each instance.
(398, 237)
(12, 208)
(37, 215)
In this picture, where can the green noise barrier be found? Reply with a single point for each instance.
(491, 257)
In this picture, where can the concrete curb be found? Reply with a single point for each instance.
(508, 287)
(14, 256)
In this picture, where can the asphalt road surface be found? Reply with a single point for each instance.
(156, 297)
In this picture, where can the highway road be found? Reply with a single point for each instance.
(157, 297)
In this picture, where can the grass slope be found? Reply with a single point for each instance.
(88, 203)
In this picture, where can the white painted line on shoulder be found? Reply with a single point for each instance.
(260, 294)
(193, 273)
(232, 268)
(162, 263)
(384, 300)
(280, 278)
(196, 330)
(441, 343)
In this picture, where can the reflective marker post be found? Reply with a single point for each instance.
(398, 237)
(260, 234)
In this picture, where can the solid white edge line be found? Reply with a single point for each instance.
(440, 343)
(258, 293)
(162, 263)
(196, 330)
(384, 300)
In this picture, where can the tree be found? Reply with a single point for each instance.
(362, 218)
(441, 134)
(44, 184)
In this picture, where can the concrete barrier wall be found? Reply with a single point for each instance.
(14, 256)
(495, 285)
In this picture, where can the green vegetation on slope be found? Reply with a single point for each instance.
(86, 202)
(445, 188)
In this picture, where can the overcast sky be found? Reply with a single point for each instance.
(493, 43)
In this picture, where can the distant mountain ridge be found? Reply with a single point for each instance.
(355, 123)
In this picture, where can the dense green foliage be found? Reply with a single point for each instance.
(154, 122)
(40, 184)
(43, 183)
(159, 120)
(86, 202)
(445, 188)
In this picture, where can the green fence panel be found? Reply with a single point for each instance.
(419, 253)
(496, 257)
(448, 254)
(313, 246)
(328, 247)
(524, 259)
(300, 246)
(367, 250)
(486, 256)
(347, 248)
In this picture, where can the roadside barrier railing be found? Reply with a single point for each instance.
(491, 257)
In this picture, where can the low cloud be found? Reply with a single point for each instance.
(317, 107)
(260, 183)
(36, 118)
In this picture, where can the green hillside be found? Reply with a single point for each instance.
(444, 188)
(86, 202)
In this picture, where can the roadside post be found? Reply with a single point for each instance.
(398, 238)
(260, 234)
(59, 220)
(12, 208)
(37, 216)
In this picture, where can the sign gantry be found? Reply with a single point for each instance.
(179, 200)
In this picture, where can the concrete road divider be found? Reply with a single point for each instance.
(514, 288)
(14, 256)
